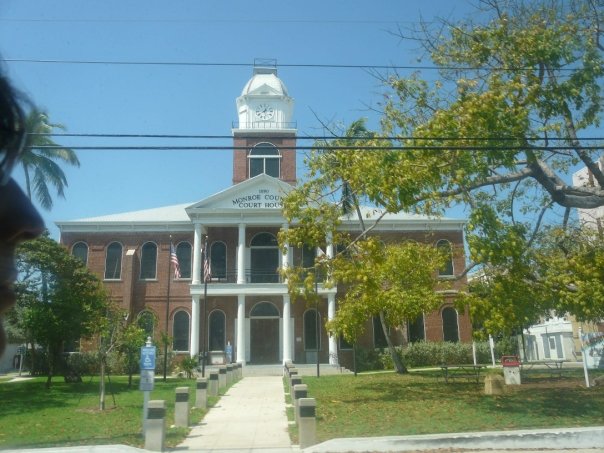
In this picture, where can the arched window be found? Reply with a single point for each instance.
(415, 330)
(183, 252)
(264, 310)
(80, 251)
(147, 321)
(264, 158)
(444, 247)
(264, 258)
(149, 261)
(218, 261)
(113, 261)
(312, 326)
(379, 339)
(217, 331)
(450, 326)
(180, 331)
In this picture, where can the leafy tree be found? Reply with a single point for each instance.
(497, 131)
(58, 300)
(130, 340)
(39, 163)
(385, 281)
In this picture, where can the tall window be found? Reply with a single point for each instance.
(180, 331)
(183, 252)
(379, 340)
(444, 247)
(218, 260)
(310, 330)
(264, 258)
(450, 326)
(415, 329)
(148, 261)
(306, 257)
(80, 251)
(217, 331)
(264, 158)
(146, 321)
(113, 261)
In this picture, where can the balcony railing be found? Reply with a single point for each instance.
(265, 125)
(251, 276)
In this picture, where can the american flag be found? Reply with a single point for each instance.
(174, 260)
(207, 270)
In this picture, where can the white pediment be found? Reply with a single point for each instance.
(260, 193)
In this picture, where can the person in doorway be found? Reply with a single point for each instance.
(19, 220)
(229, 352)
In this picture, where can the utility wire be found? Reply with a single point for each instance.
(282, 65)
(326, 147)
(308, 137)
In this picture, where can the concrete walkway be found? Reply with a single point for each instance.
(251, 415)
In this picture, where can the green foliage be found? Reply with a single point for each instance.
(188, 365)
(58, 300)
(370, 359)
(38, 162)
(434, 353)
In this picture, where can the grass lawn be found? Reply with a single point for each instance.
(387, 404)
(68, 414)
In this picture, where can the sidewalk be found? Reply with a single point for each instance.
(251, 415)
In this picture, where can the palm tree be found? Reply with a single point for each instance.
(38, 161)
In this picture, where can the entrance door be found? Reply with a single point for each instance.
(264, 339)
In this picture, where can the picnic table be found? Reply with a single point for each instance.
(470, 372)
(553, 367)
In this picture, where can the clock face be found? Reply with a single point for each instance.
(264, 112)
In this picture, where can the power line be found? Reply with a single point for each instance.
(326, 147)
(283, 65)
(311, 137)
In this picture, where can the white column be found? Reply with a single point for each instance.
(196, 277)
(287, 344)
(286, 255)
(331, 313)
(241, 328)
(241, 255)
(194, 345)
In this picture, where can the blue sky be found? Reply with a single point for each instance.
(194, 100)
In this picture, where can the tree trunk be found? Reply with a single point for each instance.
(102, 386)
(51, 365)
(398, 362)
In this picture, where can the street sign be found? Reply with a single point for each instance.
(147, 380)
(148, 358)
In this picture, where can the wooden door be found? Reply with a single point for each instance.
(264, 339)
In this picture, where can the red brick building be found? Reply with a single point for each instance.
(246, 304)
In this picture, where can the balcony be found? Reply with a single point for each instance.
(251, 276)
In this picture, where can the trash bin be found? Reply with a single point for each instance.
(511, 369)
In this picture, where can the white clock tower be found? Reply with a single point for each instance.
(265, 135)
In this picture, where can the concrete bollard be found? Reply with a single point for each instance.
(307, 425)
(181, 408)
(213, 387)
(239, 373)
(493, 384)
(286, 366)
(221, 377)
(300, 391)
(155, 432)
(201, 395)
(293, 372)
(296, 380)
(229, 374)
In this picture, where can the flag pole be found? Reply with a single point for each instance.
(204, 352)
(167, 309)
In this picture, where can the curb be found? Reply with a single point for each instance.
(561, 438)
